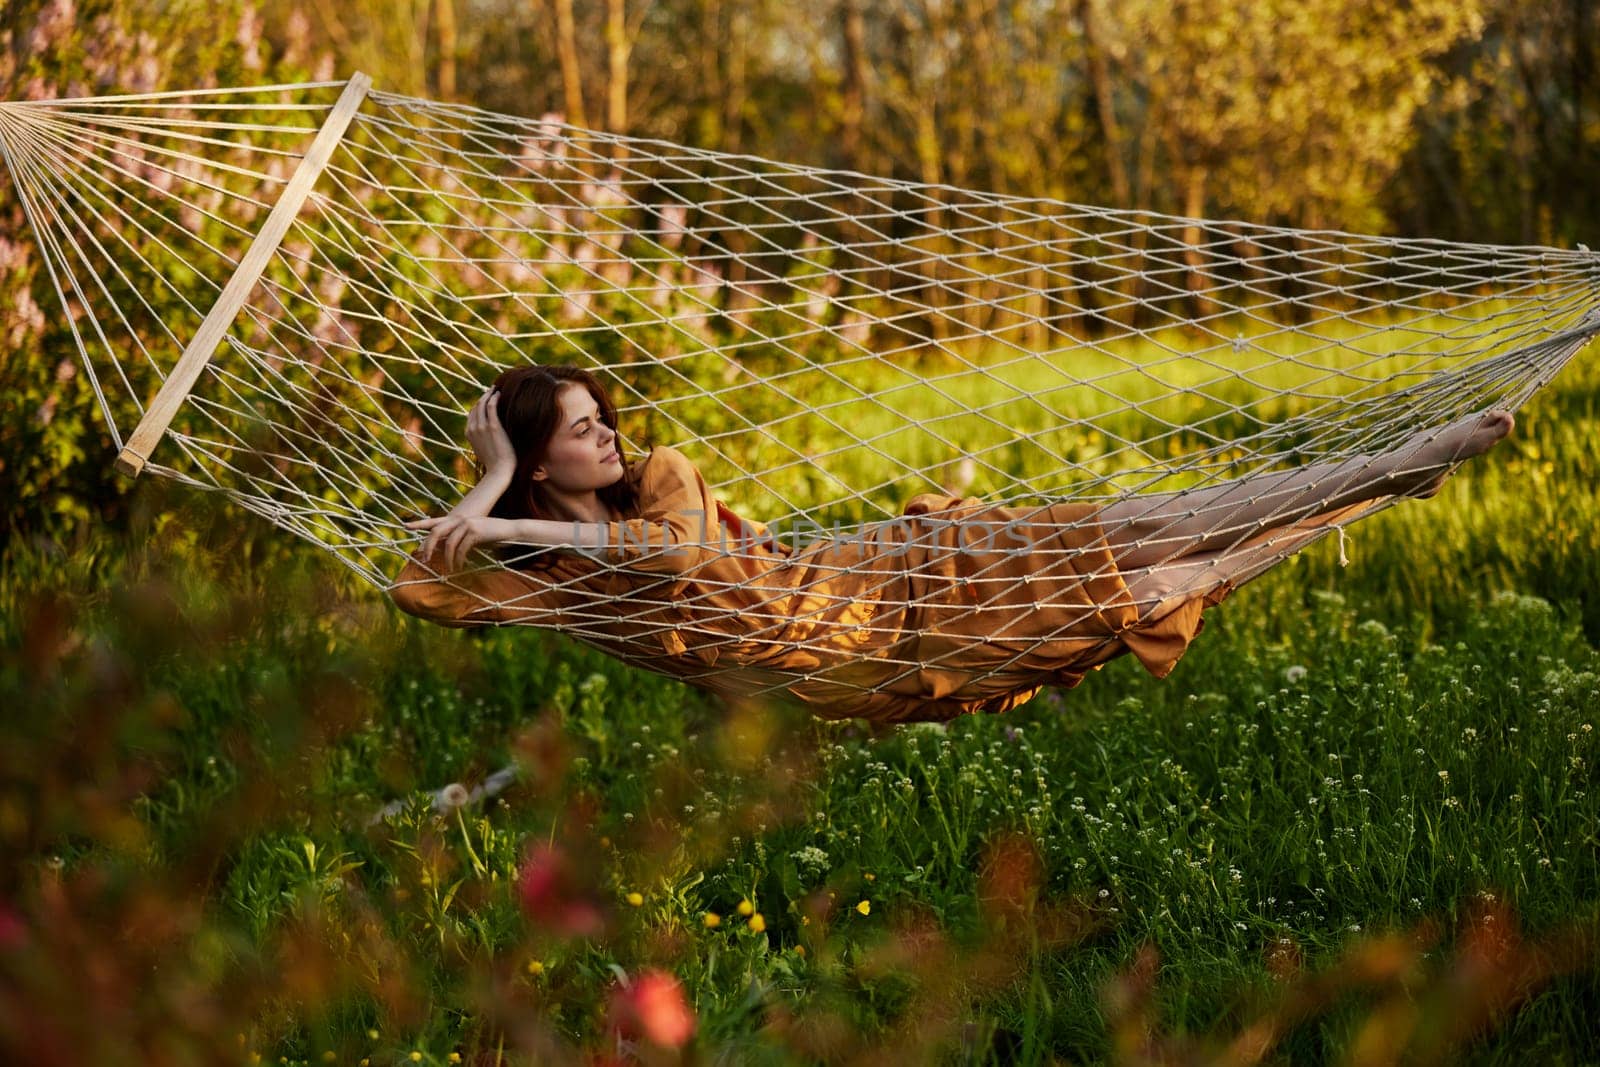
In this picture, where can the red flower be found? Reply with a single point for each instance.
(13, 931)
(653, 1007)
(554, 896)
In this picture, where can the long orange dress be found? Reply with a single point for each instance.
(913, 621)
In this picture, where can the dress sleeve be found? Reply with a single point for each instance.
(491, 597)
(677, 522)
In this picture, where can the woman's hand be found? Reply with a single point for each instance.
(489, 439)
(456, 535)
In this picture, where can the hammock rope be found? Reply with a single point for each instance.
(824, 344)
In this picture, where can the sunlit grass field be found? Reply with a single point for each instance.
(1357, 824)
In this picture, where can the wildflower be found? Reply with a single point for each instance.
(372, 1035)
(416, 1057)
(712, 920)
(13, 931)
(811, 860)
(1294, 674)
(455, 1057)
(865, 907)
(652, 1006)
(552, 894)
(746, 908)
(757, 923)
(636, 899)
(535, 967)
(799, 950)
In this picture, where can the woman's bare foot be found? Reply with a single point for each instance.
(1428, 461)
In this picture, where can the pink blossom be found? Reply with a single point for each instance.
(672, 228)
(553, 895)
(248, 38)
(55, 21)
(653, 1006)
(13, 931)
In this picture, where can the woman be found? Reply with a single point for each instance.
(957, 607)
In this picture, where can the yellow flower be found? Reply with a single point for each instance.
(535, 968)
(865, 907)
(365, 1062)
(757, 923)
(869, 876)
(328, 1056)
(713, 920)
(416, 1057)
(372, 1034)
(799, 950)
(455, 1057)
(746, 908)
(636, 899)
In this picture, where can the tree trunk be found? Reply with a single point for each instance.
(1194, 206)
(617, 46)
(445, 17)
(853, 112)
(733, 99)
(567, 55)
(1100, 78)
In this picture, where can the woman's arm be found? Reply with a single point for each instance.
(493, 448)
(466, 523)
(666, 545)
(674, 534)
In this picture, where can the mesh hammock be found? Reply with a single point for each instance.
(293, 293)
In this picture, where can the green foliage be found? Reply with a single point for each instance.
(55, 451)
(1327, 764)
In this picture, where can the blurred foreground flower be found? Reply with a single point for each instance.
(653, 1007)
(13, 932)
(554, 896)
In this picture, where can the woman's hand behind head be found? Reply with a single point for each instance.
(489, 439)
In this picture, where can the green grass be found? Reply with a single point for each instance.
(201, 717)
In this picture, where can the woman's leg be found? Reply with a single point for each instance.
(1159, 588)
(1158, 528)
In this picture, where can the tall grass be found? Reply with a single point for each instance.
(1358, 821)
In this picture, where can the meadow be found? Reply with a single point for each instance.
(1357, 824)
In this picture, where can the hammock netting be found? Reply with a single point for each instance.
(823, 344)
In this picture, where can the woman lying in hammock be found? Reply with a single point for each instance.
(956, 607)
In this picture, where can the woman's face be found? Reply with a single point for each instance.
(583, 453)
